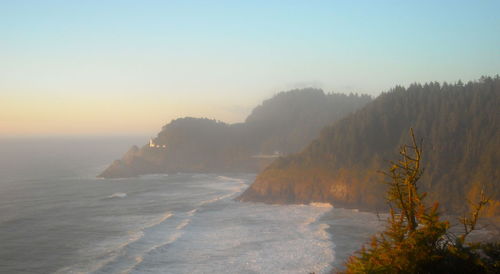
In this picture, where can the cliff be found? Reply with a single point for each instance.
(460, 128)
(283, 124)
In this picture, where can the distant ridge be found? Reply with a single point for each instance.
(281, 125)
(460, 127)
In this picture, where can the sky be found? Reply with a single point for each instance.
(129, 67)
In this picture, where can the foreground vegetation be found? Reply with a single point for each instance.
(416, 239)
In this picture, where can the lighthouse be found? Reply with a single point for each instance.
(152, 144)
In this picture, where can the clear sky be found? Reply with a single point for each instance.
(128, 67)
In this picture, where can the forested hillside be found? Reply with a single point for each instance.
(460, 127)
(281, 125)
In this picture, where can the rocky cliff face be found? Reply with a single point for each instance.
(134, 162)
(318, 184)
(279, 126)
(460, 128)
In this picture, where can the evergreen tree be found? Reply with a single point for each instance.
(416, 240)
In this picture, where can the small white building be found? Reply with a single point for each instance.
(152, 144)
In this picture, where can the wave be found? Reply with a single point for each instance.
(322, 232)
(183, 224)
(234, 189)
(225, 178)
(114, 253)
(321, 237)
(153, 176)
(140, 258)
(309, 221)
(118, 195)
(232, 179)
(159, 220)
(137, 236)
(239, 188)
(220, 235)
(216, 199)
(325, 205)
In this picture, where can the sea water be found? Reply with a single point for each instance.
(57, 217)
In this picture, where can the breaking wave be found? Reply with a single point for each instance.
(325, 205)
(118, 195)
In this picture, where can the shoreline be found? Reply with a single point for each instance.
(349, 230)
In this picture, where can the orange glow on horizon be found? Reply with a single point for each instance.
(105, 115)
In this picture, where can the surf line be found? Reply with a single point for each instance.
(140, 258)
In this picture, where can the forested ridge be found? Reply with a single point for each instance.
(283, 124)
(460, 127)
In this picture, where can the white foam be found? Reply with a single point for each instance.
(225, 178)
(242, 238)
(326, 205)
(226, 237)
(216, 199)
(183, 224)
(135, 237)
(158, 220)
(140, 258)
(118, 195)
(309, 221)
(322, 231)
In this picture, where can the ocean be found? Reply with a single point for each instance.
(57, 217)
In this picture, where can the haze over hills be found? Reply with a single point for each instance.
(460, 128)
(281, 125)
